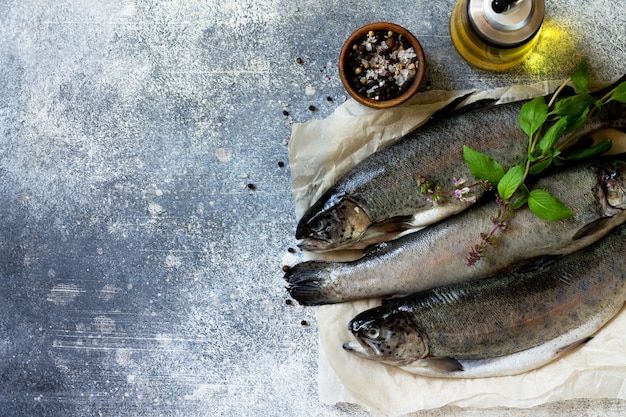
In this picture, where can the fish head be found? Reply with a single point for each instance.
(613, 183)
(332, 223)
(389, 338)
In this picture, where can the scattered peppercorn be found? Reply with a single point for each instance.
(329, 99)
(252, 186)
(299, 60)
(312, 107)
(288, 302)
(281, 164)
(285, 268)
(304, 323)
(291, 250)
(285, 113)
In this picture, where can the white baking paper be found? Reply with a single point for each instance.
(322, 150)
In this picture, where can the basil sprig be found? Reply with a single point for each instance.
(545, 124)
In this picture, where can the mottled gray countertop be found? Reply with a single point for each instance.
(145, 208)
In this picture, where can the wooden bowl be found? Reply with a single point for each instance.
(349, 76)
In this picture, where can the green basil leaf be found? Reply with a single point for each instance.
(532, 115)
(553, 134)
(580, 78)
(535, 156)
(591, 151)
(573, 106)
(539, 167)
(520, 198)
(619, 94)
(511, 180)
(545, 205)
(482, 165)
(574, 123)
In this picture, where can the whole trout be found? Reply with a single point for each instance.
(379, 199)
(594, 190)
(498, 326)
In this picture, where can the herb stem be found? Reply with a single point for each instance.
(600, 102)
(607, 96)
(545, 125)
(558, 91)
(526, 170)
(535, 138)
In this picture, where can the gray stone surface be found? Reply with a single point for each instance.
(139, 274)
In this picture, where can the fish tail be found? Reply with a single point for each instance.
(306, 283)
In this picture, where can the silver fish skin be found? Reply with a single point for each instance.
(379, 199)
(498, 326)
(594, 190)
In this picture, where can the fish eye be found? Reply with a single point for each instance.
(372, 332)
(318, 225)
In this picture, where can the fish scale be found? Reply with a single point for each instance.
(438, 254)
(383, 187)
(502, 325)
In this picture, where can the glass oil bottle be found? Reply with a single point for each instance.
(496, 35)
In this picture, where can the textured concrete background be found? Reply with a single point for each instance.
(139, 272)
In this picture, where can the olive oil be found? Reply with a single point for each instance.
(495, 41)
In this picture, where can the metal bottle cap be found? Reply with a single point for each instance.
(510, 28)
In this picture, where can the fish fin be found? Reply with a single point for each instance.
(591, 228)
(392, 298)
(536, 263)
(572, 346)
(618, 139)
(386, 230)
(615, 134)
(394, 224)
(305, 283)
(442, 364)
(376, 249)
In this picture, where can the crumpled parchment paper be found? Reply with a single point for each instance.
(322, 150)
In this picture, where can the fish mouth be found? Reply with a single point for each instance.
(615, 192)
(339, 224)
(363, 348)
(613, 187)
(316, 245)
(356, 348)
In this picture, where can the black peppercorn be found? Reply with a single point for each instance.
(395, 71)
